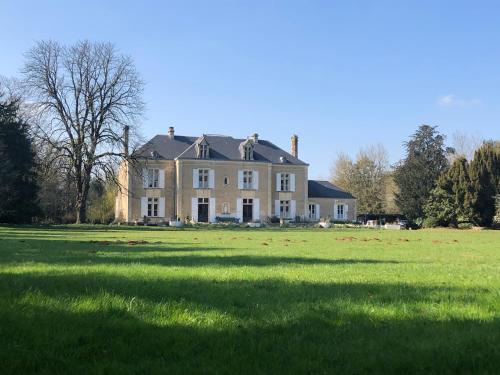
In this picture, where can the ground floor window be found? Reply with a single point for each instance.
(340, 211)
(153, 207)
(285, 209)
(312, 211)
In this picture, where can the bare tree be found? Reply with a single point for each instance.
(463, 145)
(85, 96)
(366, 177)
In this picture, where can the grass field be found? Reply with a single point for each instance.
(82, 300)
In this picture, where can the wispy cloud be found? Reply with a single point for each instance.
(451, 101)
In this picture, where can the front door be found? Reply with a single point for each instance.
(247, 210)
(203, 210)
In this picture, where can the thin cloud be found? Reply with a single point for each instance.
(451, 101)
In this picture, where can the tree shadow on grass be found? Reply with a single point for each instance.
(89, 253)
(186, 326)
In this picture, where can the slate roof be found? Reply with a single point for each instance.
(325, 189)
(221, 148)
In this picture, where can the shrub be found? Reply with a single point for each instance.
(227, 219)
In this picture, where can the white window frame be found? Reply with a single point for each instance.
(312, 211)
(204, 151)
(285, 182)
(340, 211)
(153, 207)
(203, 178)
(285, 209)
(247, 179)
(153, 178)
(248, 152)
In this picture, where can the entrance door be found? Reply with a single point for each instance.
(247, 210)
(203, 210)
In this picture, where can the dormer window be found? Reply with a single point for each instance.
(204, 152)
(203, 149)
(246, 149)
(248, 152)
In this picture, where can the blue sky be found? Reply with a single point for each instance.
(340, 74)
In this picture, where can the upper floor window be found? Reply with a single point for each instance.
(247, 179)
(153, 178)
(285, 182)
(226, 180)
(203, 178)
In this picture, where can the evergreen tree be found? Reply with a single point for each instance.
(439, 209)
(416, 175)
(18, 189)
(450, 202)
(485, 179)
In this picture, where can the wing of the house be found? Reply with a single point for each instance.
(325, 200)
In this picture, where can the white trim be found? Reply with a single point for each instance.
(256, 209)
(317, 212)
(239, 209)
(240, 179)
(255, 180)
(293, 209)
(211, 179)
(144, 177)
(194, 209)
(211, 210)
(277, 208)
(278, 181)
(196, 178)
(292, 181)
(144, 207)
(161, 178)
(161, 207)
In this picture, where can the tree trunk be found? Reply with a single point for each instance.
(81, 199)
(81, 213)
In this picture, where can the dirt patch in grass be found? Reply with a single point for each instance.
(138, 242)
(350, 238)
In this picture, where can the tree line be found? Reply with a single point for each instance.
(433, 185)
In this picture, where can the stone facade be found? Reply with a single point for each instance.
(269, 183)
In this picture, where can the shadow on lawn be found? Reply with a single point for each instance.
(88, 253)
(267, 326)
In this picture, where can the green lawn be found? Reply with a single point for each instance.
(81, 300)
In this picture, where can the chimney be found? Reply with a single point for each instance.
(171, 132)
(255, 138)
(295, 146)
(125, 140)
